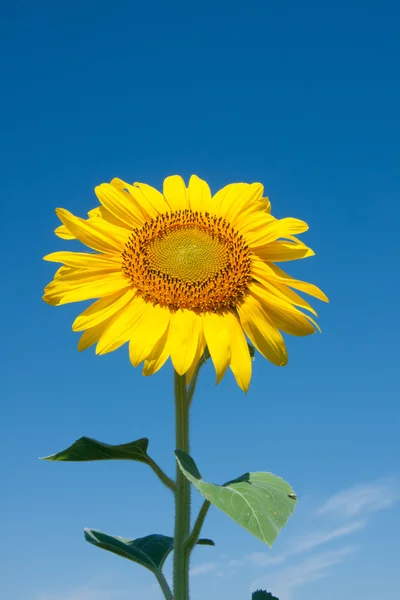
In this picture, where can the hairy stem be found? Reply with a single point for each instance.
(182, 495)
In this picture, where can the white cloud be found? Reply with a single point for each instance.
(306, 543)
(204, 568)
(286, 580)
(362, 498)
(318, 538)
(263, 560)
(234, 562)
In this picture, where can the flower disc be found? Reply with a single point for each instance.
(186, 260)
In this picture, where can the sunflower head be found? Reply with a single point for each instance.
(177, 272)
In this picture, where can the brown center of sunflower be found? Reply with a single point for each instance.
(190, 260)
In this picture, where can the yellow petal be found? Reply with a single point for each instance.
(261, 332)
(283, 251)
(235, 198)
(175, 193)
(294, 324)
(64, 292)
(201, 345)
(254, 221)
(103, 238)
(282, 313)
(62, 271)
(119, 235)
(262, 205)
(83, 260)
(303, 286)
(120, 205)
(183, 341)
(118, 331)
(199, 195)
(92, 335)
(229, 190)
(297, 326)
(275, 297)
(279, 228)
(153, 197)
(217, 335)
(95, 213)
(240, 356)
(72, 277)
(256, 213)
(62, 232)
(147, 331)
(100, 212)
(134, 193)
(107, 216)
(158, 356)
(102, 310)
(267, 205)
(272, 274)
(283, 291)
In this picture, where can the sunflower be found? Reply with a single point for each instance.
(179, 271)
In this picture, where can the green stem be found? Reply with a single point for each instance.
(182, 494)
(161, 475)
(164, 585)
(194, 536)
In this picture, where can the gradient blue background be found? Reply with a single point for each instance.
(303, 97)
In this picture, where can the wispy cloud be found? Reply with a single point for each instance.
(284, 581)
(306, 543)
(262, 559)
(232, 564)
(361, 499)
(204, 568)
(323, 537)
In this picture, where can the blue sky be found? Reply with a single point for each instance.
(303, 97)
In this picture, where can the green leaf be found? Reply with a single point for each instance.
(205, 542)
(86, 449)
(260, 502)
(252, 351)
(150, 551)
(262, 595)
